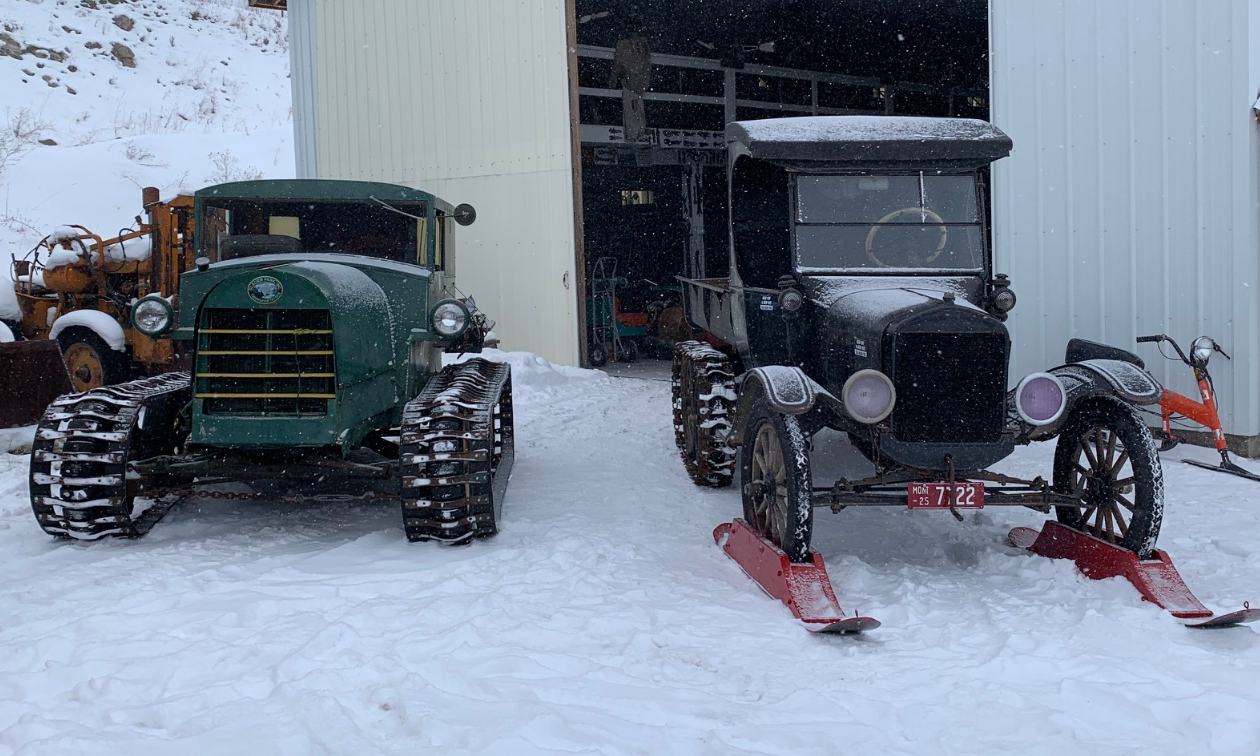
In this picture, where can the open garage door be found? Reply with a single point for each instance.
(658, 80)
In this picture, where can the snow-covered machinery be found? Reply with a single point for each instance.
(315, 320)
(861, 297)
(76, 289)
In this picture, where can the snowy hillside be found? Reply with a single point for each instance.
(103, 97)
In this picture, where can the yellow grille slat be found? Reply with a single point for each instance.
(266, 396)
(292, 331)
(259, 353)
(266, 375)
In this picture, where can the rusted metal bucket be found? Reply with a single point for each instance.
(32, 374)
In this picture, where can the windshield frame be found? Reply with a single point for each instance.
(207, 237)
(980, 224)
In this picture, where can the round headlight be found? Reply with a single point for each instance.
(1040, 398)
(1003, 300)
(152, 316)
(868, 396)
(791, 300)
(1201, 350)
(450, 318)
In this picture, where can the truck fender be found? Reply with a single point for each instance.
(97, 322)
(1090, 379)
(1117, 378)
(786, 389)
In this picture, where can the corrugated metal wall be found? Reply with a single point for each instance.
(468, 99)
(1129, 204)
(302, 79)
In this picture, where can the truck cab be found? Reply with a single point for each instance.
(861, 296)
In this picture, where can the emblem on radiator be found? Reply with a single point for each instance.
(265, 289)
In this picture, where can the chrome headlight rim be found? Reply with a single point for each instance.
(445, 306)
(1201, 350)
(884, 379)
(1019, 391)
(139, 315)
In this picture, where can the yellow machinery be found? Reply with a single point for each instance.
(73, 274)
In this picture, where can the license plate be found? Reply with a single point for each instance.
(936, 496)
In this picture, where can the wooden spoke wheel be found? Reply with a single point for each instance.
(777, 481)
(1107, 458)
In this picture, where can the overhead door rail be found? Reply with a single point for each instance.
(880, 92)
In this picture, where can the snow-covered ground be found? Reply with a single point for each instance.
(206, 99)
(603, 619)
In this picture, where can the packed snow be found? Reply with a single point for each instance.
(603, 619)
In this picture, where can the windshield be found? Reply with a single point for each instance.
(917, 222)
(241, 228)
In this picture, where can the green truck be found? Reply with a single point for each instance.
(313, 326)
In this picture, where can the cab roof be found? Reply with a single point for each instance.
(317, 189)
(846, 143)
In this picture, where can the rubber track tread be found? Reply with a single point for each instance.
(466, 413)
(704, 395)
(95, 433)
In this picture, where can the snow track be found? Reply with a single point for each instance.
(603, 620)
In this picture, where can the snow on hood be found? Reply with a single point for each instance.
(133, 250)
(61, 233)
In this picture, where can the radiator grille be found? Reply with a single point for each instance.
(265, 362)
(951, 387)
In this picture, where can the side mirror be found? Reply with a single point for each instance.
(465, 214)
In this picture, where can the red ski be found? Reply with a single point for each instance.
(804, 587)
(1156, 578)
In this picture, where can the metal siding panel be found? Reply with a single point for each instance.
(468, 99)
(1081, 250)
(302, 78)
(1244, 274)
(1129, 203)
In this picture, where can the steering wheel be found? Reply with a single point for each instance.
(917, 258)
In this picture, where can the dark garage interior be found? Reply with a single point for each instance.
(654, 192)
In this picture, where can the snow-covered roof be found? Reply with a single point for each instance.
(870, 141)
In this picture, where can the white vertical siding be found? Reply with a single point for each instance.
(302, 79)
(468, 99)
(1128, 206)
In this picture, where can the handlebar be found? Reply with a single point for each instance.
(1161, 338)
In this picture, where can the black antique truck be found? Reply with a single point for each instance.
(861, 297)
(313, 328)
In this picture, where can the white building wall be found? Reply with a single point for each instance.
(468, 99)
(1129, 205)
